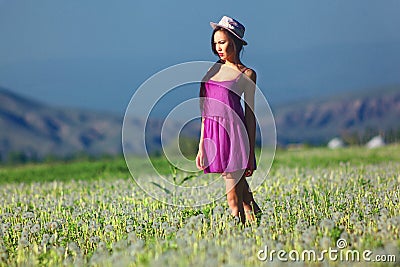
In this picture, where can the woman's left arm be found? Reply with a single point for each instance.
(249, 92)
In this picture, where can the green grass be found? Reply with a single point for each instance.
(116, 167)
(323, 157)
(89, 213)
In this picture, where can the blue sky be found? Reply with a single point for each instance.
(94, 54)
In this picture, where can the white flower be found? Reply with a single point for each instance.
(5, 226)
(28, 215)
(156, 225)
(164, 225)
(53, 225)
(129, 228)
(109, 228)
(35, 228)
(94, 239)
(218, 210)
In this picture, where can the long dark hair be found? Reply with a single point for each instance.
(237, 46)
(213, 70)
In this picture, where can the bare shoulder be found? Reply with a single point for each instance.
(251, 74)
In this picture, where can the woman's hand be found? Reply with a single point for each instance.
(250, 166)
(248, 172)
(200, 160)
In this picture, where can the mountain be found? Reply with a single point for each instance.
(37, 130)
(317, 121)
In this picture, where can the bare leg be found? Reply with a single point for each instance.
(234, 192)
(250, 206)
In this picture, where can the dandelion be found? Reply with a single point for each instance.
(53, 226)
(102, 245)
(6, 215)
(156, 225)
(300, 225)
(164, 225)
(286, 225)
(129, 228)
(109, 228)
(5, 226)
(53, 239)
(169, 230)
(228, 212)
(45, 240)
(35, 228)
(264, 217)
(218, 210)
(368, 209)
(25, 234)
(28, 215)
(94, 239)
(158, 212)
(129, 222)
(80, 224)
(336, 216)
(29, 224)
(234, 221)
(139, 228)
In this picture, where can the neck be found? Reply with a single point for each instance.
(232, 62)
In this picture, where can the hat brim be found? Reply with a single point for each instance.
(215, 25)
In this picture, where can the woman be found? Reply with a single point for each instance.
(227, 136)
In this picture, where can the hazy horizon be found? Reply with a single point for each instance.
(94, 55)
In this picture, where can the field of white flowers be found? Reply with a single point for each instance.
(107, 222)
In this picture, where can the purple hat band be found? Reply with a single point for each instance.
(231, 25)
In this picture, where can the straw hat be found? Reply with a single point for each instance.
(232, 25)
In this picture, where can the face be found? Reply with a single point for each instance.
(224, 46)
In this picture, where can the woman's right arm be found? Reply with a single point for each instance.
(201, 133)
(200, 157)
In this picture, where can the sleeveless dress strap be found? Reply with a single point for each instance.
(237, 78)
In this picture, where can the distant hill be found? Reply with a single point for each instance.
(317, 121)
(37, 130)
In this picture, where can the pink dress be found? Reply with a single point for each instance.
(226, 143)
